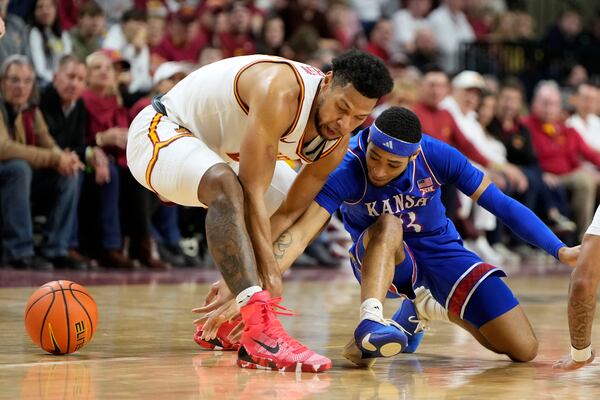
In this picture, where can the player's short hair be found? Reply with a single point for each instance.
(401, 123)
(367, 73)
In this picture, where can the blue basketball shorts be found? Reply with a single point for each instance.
(457, 278)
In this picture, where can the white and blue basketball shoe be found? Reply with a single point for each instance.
(407, 318)
(374, 339)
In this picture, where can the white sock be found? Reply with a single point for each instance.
(371, 309)
(245, 295)
(428, 309)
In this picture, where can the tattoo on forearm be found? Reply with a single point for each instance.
(230, 246)
(282, 244)
(581, 317)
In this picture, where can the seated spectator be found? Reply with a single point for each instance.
(178, 44)
(238, 40)
(15, 39)
(438, 122)
(467, 89)
(344, 24)
(505, 125)
(47, 41)
(271, 40)
(407, 22)
(107, 128)
(381, 40)
(67, 118)
(87, 36)
(33, 167)
(426, 50)
(130, 39)
(559, 149)
(451, 29)
(296, 14)
(585, 121)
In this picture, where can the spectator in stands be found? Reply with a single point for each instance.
(369, 12)
(407, 22)
(47, 41)
(32, 167)
(481, 17)
(21, 8)
(130, 39)
(271, 40)
(68, 13)
(404, 94)
(451, 30)
(381, 40)
(238, 40)
(296, 14)
(559, 149)
(87, 36)
(209, 55)
(426, 50)
(67, 119)
(178, 45)
(585, 121)
(107, 129)
(15, 40)
(467, 89)
(344, 24)
(438, 122)
(563, 43)
(507, 127)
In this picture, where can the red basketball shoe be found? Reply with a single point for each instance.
(266, 344)
(221, 342)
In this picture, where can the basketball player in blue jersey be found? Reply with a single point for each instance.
(388, 191)
(214, 141)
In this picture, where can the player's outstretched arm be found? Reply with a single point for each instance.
(523, 221)
(292, 242)
(306, 186)
(582, 304)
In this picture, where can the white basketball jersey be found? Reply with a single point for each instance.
(207, 103)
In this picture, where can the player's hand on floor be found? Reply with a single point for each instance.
(212, 320)
(568, 364)
(218, 295)
(569, 255)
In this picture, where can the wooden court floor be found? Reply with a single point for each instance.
(144, 349)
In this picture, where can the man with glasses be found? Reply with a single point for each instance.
(32, 165)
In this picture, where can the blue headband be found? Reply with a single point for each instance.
(392, 144)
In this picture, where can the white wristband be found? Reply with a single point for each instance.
(581, 355)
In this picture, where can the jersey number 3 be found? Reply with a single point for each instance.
(408, 221)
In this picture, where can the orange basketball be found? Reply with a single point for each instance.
(61, 317)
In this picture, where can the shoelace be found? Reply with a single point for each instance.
(272, 308)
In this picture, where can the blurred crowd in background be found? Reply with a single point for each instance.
(522, 101)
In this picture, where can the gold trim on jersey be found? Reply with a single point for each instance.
(301, 95)
(158, 145)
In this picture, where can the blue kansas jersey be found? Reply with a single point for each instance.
(414, 196)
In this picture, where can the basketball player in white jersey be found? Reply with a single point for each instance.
(582, 299)
(214, 141)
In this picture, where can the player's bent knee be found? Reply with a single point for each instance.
(388, 227)
(524, 351)
(220, 183)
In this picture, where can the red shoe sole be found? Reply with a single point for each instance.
(250, 362)
(214, 344)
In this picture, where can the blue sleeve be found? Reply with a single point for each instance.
(520, 220)
(346, 183)
(452, 167)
